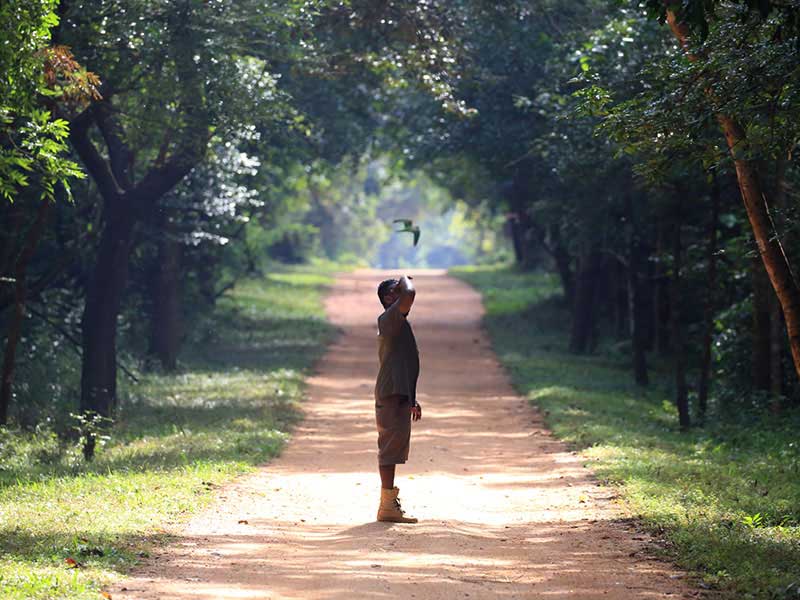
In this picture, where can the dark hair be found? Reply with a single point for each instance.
(383, 287)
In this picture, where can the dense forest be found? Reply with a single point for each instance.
(155, 153)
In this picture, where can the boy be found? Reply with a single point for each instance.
(395, 390)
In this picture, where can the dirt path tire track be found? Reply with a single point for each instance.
(506, 511)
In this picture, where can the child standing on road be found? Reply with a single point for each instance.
(395, 390)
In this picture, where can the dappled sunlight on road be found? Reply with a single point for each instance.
(505, 510)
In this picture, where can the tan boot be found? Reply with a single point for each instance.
(390, 509)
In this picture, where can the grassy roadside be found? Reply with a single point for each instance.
(726, 498)
(176, 439)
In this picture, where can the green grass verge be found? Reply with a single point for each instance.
(176, 439)
(725, 498)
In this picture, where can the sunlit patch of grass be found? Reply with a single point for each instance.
(177, 437)
(726, 499)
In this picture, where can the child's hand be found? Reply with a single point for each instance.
(416, 412)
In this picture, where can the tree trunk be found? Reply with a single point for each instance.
(516, 238)
(636, 296)
(679, 333)
(563, 262)
(584, 309)
(708, 316)
(525, 234)
(769, 246)
(527, 239)
(103, 300)
(166, 332)
(14, 332)
(124, 202)
(755, 201)
(661, 307)
(622, 301)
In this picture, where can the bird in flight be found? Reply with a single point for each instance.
(408, 227)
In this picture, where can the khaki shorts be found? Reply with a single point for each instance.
(393, 417)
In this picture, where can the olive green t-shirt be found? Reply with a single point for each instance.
(397, 354)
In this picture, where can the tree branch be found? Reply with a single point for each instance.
(114, 136)
(96, 165)
(159, 180)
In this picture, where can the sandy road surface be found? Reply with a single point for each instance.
(505, 510)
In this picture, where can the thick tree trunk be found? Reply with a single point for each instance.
(584, 310)
(679, 333)
(755, 201)
(166, 332)
(14, 331)
(708, 313)
(103, 299)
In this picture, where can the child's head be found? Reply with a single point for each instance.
(384, 288)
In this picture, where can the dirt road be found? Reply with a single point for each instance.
(505, 510)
